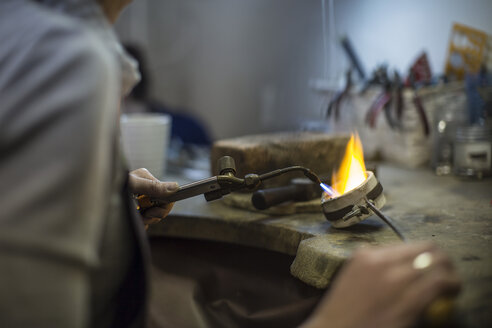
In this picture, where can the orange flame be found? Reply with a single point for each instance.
(352, 170)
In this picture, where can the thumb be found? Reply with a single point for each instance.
(153, 188)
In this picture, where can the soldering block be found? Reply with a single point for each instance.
(262, 153)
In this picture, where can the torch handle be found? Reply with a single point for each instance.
(266, 198)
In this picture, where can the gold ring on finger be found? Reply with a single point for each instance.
(422, 261)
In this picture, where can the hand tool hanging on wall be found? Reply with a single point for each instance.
(354, 59)
(383, 101)
(391, 101)
(398, 95)
(420, 71)
(417, 101)
(335, 103)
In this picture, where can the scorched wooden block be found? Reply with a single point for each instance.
(266, 152)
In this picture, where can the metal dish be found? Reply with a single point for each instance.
(352, 207)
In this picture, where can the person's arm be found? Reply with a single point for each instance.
(382, 287)
(59, 96)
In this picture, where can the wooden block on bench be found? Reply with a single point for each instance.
(259, 154)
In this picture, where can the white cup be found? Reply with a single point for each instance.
(145, 139)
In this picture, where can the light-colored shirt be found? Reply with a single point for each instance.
(66, 243)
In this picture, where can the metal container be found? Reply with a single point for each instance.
(450, 113)
(473, 151)
(351, 207)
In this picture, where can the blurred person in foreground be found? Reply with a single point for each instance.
(72, 247)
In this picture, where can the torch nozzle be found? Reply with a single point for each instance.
(329, 190)
(312, 176)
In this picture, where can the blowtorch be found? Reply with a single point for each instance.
(222, 184)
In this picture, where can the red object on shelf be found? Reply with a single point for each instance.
(420, 72)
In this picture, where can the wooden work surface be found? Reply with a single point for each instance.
(454, 213)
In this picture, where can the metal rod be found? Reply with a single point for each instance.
(307, 172)
(386, 219)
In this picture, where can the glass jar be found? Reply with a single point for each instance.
(473, 151)
(450, 113)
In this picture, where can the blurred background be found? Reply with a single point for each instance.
(245, 67)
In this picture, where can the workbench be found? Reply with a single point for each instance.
(454, 213)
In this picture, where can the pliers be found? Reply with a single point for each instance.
(382, 102)
(417, 101)
(390, 100)
(334, 105)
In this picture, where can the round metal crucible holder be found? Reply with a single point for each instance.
(350, 208)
